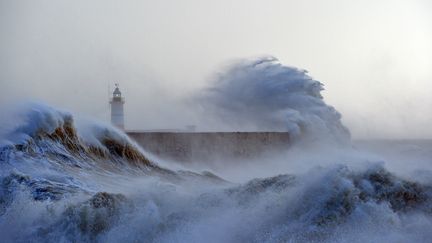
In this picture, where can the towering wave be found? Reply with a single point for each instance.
(262, 94)
(47, 133)
(48, 154)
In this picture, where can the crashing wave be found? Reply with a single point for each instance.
(52, 133)
(85, 220)
(263, 94)
(60, 183)
(324, 204)
(49, 141)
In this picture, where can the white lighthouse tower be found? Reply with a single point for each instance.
(117, 114)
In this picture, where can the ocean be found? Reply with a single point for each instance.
(62, 181)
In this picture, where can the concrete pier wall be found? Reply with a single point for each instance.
(195, 146)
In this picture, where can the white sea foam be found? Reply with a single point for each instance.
(51, 193)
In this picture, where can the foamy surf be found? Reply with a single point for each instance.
(60, 183)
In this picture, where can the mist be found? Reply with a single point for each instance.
(373, 58)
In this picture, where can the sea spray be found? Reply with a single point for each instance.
(263, 94)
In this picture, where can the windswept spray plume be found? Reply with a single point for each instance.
(264, 95)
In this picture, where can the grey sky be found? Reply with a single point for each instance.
(374, 57)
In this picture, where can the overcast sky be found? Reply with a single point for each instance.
(374, 57)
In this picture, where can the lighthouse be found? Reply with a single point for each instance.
(117, 114)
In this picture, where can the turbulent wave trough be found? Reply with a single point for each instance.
(60, 183)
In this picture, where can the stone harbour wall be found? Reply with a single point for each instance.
(190, 146)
